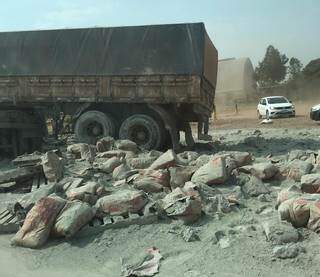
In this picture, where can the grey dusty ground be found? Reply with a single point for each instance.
(228, 244)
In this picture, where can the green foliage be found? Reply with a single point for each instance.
(272, 70)
(295, 67)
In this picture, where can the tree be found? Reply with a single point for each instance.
(272, 70)
(295, 67)
(312, 69)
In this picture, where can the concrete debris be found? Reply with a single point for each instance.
(280, 232)
(190, 235)
(288, 251)
(148, 266)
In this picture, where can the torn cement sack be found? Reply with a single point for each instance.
(122, 202)
(212, 173)
(52, 167)
(72, 218)
(148, 266)
(183, 203)
(38, 223)
(295, 211)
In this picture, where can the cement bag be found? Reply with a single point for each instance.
(180, 175)
(122, 202)
(166, 160)
(152, 180)
(38, 223)
(310, 183)
(88, 152)
(126, 145)
(142, 162)
(110, 165)
(72, 218)
(213, 172)
(296, 211)
(52, 167)
(121, 172)
(288, 193)
(105, 144)
(314, 220)
(86, 193)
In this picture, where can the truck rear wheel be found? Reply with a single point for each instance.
(93, 125)
(143, 130)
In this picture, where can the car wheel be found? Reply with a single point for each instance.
(259, 114)
(267, 115)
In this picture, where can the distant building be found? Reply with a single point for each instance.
(235, 83)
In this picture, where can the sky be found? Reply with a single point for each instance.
(238, 28)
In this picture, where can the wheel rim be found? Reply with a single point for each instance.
(139, 134)
(143, 130)
(93, 125)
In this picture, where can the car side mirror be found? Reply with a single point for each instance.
(290, 101)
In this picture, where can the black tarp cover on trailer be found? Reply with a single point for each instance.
(140, 50)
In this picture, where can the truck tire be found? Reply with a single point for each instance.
(143, 130)
(93, 125)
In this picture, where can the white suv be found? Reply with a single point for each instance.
(275, 106)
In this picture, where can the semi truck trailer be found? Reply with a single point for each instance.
(143, 83)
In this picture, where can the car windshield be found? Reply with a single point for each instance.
(277, 100)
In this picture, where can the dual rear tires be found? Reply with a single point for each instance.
(140, 128)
